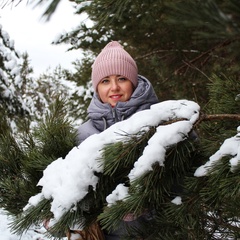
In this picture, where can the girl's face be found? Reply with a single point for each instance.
(115, 88)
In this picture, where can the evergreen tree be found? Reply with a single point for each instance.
(32, 117)
(19, 100)
(72, 87)
(23, 160)
(11, 102)
(190, 50)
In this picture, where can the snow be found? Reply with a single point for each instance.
(177, 200)
(230, 147)
(121, 192)
(66, 181)
(11, 65)
(157, 145)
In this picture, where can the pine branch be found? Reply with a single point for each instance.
(13, 3)
(212, 117)
(33, 215)
(22, 164)
(153, 189)
(207, 117)
(166, 51)
(219, 220)
(125, 153)
(204, 54)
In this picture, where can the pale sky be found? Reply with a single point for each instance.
(30, 33)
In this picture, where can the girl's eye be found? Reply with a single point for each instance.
(104, 81)
(122, 79)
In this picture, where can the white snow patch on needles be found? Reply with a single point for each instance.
(230, 147)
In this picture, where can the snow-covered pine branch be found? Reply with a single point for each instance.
(66, 181)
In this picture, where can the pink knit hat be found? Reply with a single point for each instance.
(114, 60)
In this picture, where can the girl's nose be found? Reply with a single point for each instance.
(114, 86)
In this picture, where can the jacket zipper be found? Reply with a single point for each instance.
(114, 115)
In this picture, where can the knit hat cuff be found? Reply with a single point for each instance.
(114, 67)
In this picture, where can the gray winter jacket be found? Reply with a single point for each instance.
(102, 115)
